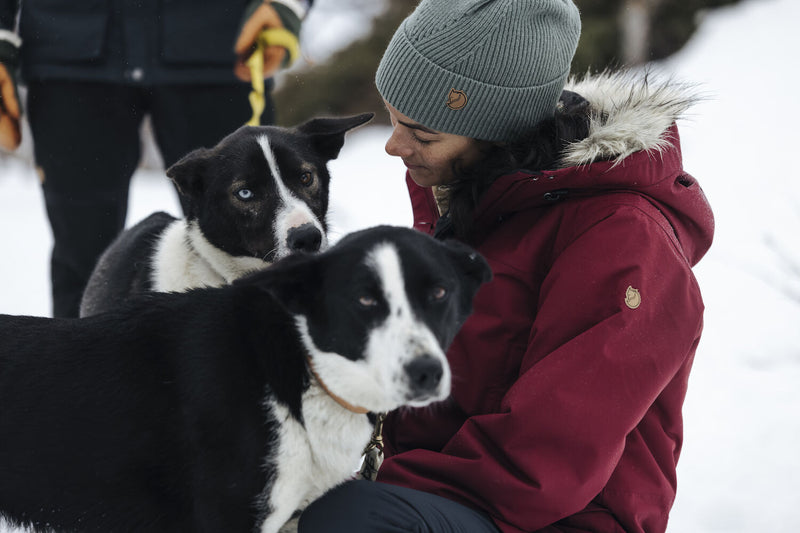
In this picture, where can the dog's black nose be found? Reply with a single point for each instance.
(424, 373)
(305, 238)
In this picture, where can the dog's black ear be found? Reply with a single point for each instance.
(470, 263)
(293, 281)
(474, 270)
(327, 134)
(189, 172)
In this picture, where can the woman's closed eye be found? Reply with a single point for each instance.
(420, 140)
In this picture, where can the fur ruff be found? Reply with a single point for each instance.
(629, 112)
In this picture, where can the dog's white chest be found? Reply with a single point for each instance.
(311, 460)
(184, 260)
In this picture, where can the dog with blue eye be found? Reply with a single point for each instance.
(259, 195)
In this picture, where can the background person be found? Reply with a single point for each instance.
(93, 70)
(570, 375)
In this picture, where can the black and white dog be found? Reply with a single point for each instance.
(258, 195)
(226, 409)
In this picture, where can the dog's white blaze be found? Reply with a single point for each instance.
(402, 337)
(313, 458)
(292, 212)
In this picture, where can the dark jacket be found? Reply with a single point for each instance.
(569, 378)
(127, 41)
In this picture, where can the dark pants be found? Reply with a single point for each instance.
(366, 506)
(87, 146)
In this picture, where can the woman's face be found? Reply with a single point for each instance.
(429, 155)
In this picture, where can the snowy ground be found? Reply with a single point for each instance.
(740, 464)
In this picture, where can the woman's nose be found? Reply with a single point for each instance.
(395, 146)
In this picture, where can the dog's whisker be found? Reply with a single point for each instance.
(274, 250)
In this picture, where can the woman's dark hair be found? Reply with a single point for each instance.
(540, 149)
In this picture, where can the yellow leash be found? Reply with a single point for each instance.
(272, 37)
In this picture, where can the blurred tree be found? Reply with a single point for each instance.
(615, 33)
(345, 83)
(633, 32)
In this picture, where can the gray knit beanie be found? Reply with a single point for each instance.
(488, 69)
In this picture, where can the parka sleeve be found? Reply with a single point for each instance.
(617, 321)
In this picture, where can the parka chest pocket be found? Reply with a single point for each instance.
(487, 353)
(481, 391)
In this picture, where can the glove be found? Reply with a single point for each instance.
(278, 51)
(10, 133)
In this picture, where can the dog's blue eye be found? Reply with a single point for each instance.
(244, 194)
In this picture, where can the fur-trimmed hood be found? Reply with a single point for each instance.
(628, 113)
(632, 146)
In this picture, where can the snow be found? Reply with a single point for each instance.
(331, 24)
(739, 467)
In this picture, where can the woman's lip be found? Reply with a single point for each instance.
(409, 166)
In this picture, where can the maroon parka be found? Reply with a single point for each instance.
(569, 377)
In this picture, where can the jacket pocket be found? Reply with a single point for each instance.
(199, 33)
(58, 31)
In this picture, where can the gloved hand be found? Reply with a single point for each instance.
(10, 134)
(264, 15)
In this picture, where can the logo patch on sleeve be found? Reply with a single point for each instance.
(633, 298)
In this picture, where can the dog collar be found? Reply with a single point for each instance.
(338, 399)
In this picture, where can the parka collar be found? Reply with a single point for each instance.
(633, 145)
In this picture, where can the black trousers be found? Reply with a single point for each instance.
(372, 507)
(87, 146)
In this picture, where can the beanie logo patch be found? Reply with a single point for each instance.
(456, 100)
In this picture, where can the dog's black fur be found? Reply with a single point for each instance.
(233, 214)
(164, 415)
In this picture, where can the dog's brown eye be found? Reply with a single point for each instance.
(438, 293)
(367, 301)
(306, 179)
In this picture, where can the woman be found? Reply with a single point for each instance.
(569, 378)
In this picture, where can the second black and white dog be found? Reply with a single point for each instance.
(258, 195)
(226, 409)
